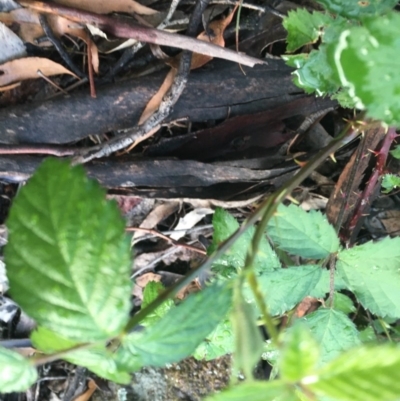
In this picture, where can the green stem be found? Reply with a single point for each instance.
(265, 211)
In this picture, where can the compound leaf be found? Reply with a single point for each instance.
(323, 285)
(68, 259)
(16, 372)
(234, 259)
(283, 289)
(254, 391)
(357, 9)
(219, 342)
(177, 335)
(100, 361)
(304, 27)
(300, 354)
(371, 271)
(368, 373)
(150, 293)
(307, 234)
(366, 62)
(333, 331)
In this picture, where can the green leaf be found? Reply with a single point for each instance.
(254, 391)
(100, 361)
(363, 374)
(357, 9)
(368, 335)
(150, 293)
(219, 342)
(307, 234)
(371, 271)
(283, 289)
(313, 72)
(323, 285)
(68, 259)
(233, 260)
(396, 152)
(248, 340)
(333, 331)
(16, 372)
(367, 63)
(300, 354)
(390, 182)
(96, 358)
(49, 342)
(177, 335)
(344, 99)
(343, 303)
(304, 27)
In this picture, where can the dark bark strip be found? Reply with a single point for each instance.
(214, 92)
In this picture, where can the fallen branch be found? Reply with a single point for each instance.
(124, 28)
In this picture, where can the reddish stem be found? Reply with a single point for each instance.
(374, 180)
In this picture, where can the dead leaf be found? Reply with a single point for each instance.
(189, 221)
(141, 282)
(91, 388)
(192, 287)
(107, 7)
(11, 46)
(28, 67)
(306, 306)
(216, 29)
(156, 100)
(158, 214)
(30, 29)
(216, 36)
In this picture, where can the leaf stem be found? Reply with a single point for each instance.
(265, 211)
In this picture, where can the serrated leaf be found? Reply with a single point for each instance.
(363, 374)
(180, 331)
(219, 342)
(48, 341)
(68, 259)
(300, 354)
(254, 391)
(234, 259)
(390, 182)
(333, 331)
(307, 234)
(371, 271)
(357, 9)
(248, 340)
(16, 372)
(150, 293)
(323, 285)
(366, 61)
(100, 361)
(304, 27)
(313, 72)
(283, 289)
(344, 99)
(343, 303)
(368, 335)
(96, 358)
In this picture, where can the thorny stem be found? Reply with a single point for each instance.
(265, 211)
(374, 180)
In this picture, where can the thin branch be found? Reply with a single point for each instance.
(166, 238)
(126, 29)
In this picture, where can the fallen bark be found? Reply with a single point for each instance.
(217, 91)
(125, 172)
